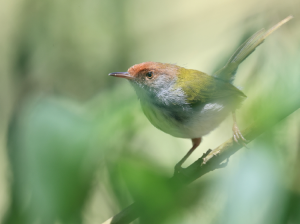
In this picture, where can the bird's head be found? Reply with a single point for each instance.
(150, 78)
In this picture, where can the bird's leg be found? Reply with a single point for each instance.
(196, 142)
(237, 135)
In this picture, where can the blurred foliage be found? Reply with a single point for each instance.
(75, 146)
(49, 151)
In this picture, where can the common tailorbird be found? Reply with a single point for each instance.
(187, 103)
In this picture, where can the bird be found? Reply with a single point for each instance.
(188, 103)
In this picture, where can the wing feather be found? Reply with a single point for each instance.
(202, 88)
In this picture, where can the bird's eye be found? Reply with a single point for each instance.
(149, 75)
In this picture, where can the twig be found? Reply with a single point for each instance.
(212, 159)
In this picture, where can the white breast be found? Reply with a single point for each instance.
(169, 111)
(202, 120)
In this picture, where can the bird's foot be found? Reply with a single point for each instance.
(216, 153)
(178, 167)
(204, 160)
(237, 135)
(203, 157)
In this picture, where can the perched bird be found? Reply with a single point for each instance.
(187, 103)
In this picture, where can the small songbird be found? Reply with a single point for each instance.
(187, 103)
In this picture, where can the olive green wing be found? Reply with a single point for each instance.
(202, 88)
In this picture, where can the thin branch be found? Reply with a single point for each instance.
(212, 159)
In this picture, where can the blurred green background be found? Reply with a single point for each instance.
(75, 146)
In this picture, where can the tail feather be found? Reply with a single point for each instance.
(228, 71)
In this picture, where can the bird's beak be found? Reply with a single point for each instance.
(125, 75)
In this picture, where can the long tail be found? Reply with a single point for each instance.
(228, 71)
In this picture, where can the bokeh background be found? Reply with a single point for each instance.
(75, 146)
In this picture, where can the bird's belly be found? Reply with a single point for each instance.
(197, 123)
(207, 119)
(163, 120)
